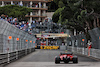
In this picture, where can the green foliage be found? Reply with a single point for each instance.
(52, 7)
(66, 14)
(60, 4)
(56, 15)
(56, 1)
(15, 11)
(78, 14)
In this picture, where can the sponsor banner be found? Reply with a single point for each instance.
(47, 47)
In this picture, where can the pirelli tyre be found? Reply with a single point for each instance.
(75, 59)
(57, 60)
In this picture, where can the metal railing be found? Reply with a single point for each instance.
(6, 58)
(12, 48)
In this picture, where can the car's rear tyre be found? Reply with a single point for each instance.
(75, 60)
(57, 60)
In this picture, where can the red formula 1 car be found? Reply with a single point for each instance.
(66, 57)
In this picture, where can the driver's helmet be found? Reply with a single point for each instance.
(65, 51)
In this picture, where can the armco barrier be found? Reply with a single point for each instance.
(6, 58)
(84, 51)
(80, 47)
(3, 59)
(13, 44)
(9, 45)
(77, 41)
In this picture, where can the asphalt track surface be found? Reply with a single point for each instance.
(45, 58)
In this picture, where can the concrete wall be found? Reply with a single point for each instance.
(63, 47)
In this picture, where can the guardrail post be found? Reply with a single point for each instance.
(72, 45)
(30, 50)
(25, 51)
(8, 57)
(83, 50)
(16, 54)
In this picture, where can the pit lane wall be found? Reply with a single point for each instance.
(12, 49)
(76, 45)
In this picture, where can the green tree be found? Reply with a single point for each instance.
(56, 15)
(93, 10)
(68, 16)
(52, 6)
(60, 4)
(82, 15)
(15, 11)
(56, 1)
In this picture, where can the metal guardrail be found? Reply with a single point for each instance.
(81, 46)
(84, 51)
(7, 45)
(11, 49)
(6, 58)
(95, 37)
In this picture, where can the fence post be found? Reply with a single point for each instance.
(8, 57)
(72, 45)
(16, 54)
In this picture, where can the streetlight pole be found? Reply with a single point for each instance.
(59, 27)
